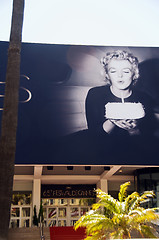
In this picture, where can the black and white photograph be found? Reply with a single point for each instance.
(88, 104)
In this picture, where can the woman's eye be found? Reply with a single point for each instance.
(112, 71)
(126, 71)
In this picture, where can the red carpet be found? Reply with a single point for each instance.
(66, 233)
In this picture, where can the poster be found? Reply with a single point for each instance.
(53, 116)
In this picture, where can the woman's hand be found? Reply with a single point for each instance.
(126, 124)
(130, 125)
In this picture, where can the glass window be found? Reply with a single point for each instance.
(52, 201)
(62, 212)
(51, 223)
(45, 202)
(62, 223)
(25, 223)
(48, 202)
(52, 212)
(74, 212)
(87, 201)
(63, 201)
(65, 211)
(20, 198)
(75, 201)
(25, 212)
(72, 222)
(83, 211)
(15, 212)
(147, 180)
(14, 223)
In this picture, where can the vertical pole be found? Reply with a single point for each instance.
(36, 194)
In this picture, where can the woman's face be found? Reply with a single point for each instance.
(120, 74)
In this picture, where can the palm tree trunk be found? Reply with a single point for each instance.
(9, 118)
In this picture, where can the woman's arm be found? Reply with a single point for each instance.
(108, 126)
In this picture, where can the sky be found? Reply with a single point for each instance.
(86, 22)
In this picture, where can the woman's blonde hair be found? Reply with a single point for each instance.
(121, 55)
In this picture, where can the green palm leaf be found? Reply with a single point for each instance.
(111, 218)
(106, 201)
(123, 191)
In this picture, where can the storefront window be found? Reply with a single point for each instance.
(25, 223)
(148, 180)
(62, 212)
(49, 202)
(25, 212)
(52, 213)
(84, 210)
(74, 201)
(63, 201)
(74, 212)
(62, 223)
(15, 212)
(72, 223)
(21, 209)
(14, 223)
(20, 198)
(65, 212)
(51, 223)
(87, 201)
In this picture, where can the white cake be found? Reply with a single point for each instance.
(127, 110)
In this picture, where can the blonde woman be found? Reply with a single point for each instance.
(122, 73)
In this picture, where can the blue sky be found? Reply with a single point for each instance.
(86, 22)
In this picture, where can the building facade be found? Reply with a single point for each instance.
(67, 192)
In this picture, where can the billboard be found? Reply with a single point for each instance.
(73, 101)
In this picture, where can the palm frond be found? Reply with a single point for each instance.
(140, 199)
(147, 216)
(147, 194)
(90, 220)
(106, 201)
(123, 191)
(130, 200)
(100, 226)
(137, 211)
(112, 218)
